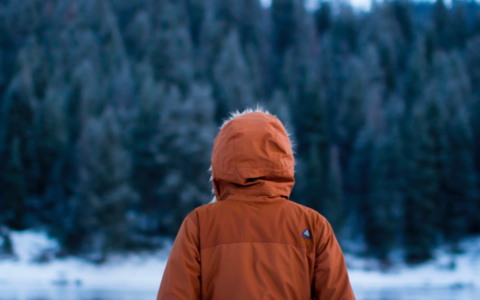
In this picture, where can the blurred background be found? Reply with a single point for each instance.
(109, 109)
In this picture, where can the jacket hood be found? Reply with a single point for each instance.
(252, 159)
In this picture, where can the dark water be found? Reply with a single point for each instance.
(110, 294)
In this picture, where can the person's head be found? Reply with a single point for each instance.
(252, 158)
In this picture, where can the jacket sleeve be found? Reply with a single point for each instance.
(330, 278)
(181, 279)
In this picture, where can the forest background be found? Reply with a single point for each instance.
(109, 109)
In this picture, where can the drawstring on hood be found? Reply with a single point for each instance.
(252, 158)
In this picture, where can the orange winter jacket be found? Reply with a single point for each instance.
(252, 242)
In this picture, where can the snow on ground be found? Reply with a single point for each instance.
(139, 271)
(445, 271)
(144, 271)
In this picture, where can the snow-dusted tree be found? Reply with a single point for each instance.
(426, 162)
(171, 52)
(233, 85)
(187, 130)
(105, 193)
(386, 183)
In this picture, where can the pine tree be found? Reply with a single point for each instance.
(105, 190)
(427, 177)
(442, 25)
(345, 31)
(460, 26)
(187, 133)
(323, 17)
(51, 134)
(290, 37)
(352, 109)
(233, 86)
(138, 35)
(384, 204)
(148, 164)
(473, 63)
(452, 80)
(356, 184)
(333, 206)
(196, 14)
(476, 25)
(17, 121)
(242, 16)
(460, 190)
(402, 10)
(171, 50)
(310, 118)
(285, 17)
(14, 196)
(418, 74)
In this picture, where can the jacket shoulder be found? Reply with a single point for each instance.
(194, 215)
(309, 213)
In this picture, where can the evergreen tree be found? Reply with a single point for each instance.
(313, 142)
(14, 207)
(384, 205)
(333, 206)
(196, 10)
(460, 25)
(345, 31)
(233, 86)
(323, 17)
(285, 16)
(290, 37)
(402, 11)
(138, 35)
(460, 192)
(452, 81)
(427, 173)
(442, 25)
(148, 165)
(356, 189)
(105, 190)
(473, 63)
(417, 74)
(171, 51)
(17, 120)
(352, 110)
(51, 135)
(188, 130)
(476, 25)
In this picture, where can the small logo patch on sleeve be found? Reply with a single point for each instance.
(306, 234)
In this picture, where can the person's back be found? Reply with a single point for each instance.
(253, 242)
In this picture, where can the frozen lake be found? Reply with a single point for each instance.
(79, 293)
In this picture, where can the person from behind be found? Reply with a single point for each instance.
(252, 242)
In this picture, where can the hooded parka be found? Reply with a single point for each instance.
(252, 242)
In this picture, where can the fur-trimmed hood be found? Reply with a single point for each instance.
(252, 158)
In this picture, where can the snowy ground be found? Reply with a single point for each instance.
(445, 271)
(144, 272)
(132, 272)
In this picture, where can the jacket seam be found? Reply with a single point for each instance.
(296, 246)
(193, 222)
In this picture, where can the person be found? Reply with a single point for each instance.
(252, 242)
